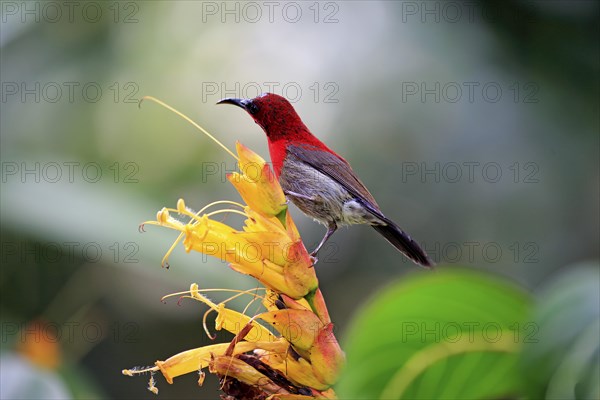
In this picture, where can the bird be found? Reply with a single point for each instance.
(316, 179)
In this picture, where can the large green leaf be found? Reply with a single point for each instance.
(447, 334)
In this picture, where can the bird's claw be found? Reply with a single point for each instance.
(313, 259)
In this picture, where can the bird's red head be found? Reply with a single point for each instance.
(283, 126)
(275, 115)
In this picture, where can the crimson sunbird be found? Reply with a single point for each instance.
(318, 180)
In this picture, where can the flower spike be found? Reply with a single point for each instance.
(287, 351)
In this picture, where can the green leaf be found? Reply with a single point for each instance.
(565, 362)
(446, 334)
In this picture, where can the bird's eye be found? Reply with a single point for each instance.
(252, 108)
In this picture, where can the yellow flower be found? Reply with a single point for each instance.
(264, 249)
(301, 358)
(196, 359)
(273, 354)
(326, 356)
(257, 184)
(299, 327)
(268, 247)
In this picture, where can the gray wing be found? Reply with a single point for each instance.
(337, 169)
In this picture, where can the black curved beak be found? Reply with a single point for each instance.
(243, 103)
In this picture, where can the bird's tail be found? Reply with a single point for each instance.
(400, 240)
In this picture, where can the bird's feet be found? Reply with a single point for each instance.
(313, 259)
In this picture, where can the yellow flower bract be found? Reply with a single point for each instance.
(268, 247)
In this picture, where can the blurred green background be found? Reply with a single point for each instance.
(474, 124)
